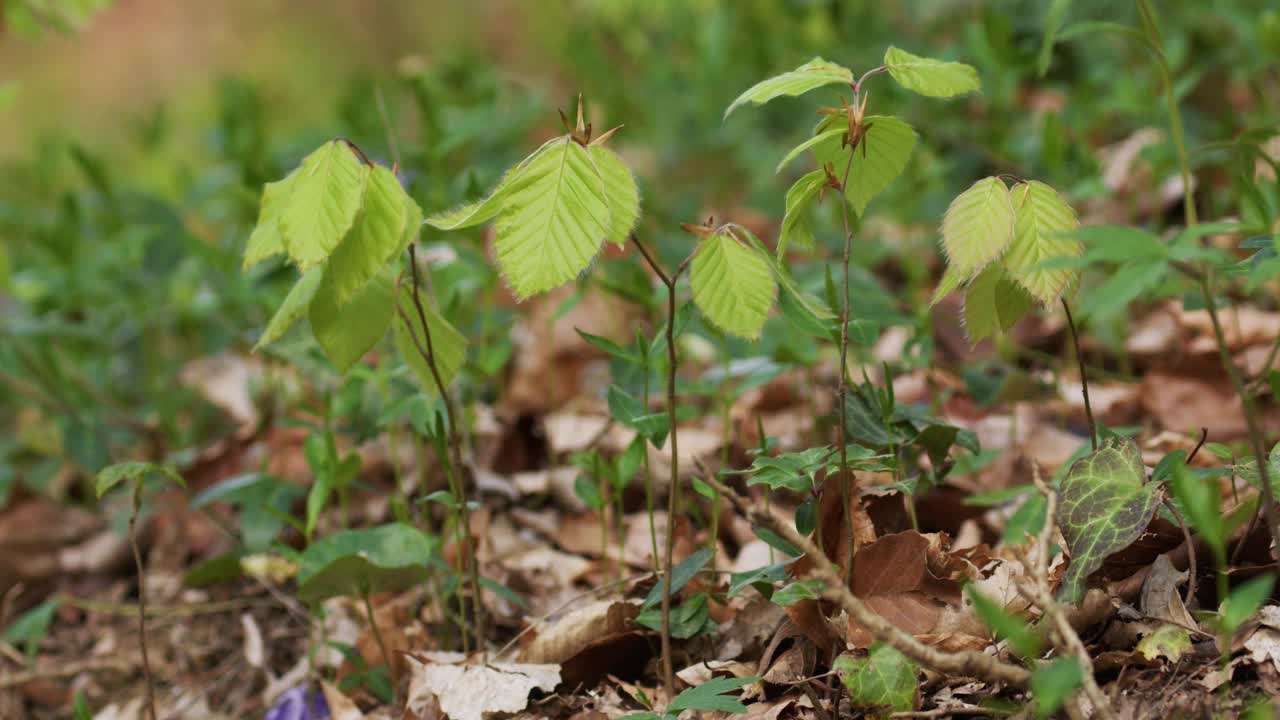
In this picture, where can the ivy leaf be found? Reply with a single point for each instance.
(621, 192)
(355, 562)
(1105, 505)
(811, 75)
(884, 679)
(935, 78)
(487, 208)
(375, 238)
(266, 239)
(795, 224)
(878, 159)
(294, 305)
(977, 227)
(1043, 218)
(553, 221)
(323, 203)
(113, 475)
(448, 345)
(346, 333)
(993, 303)
(732, 285)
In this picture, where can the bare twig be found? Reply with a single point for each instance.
(842, 383)
(382, 645)
(963, 663)
(1038, 591)
(68, 669)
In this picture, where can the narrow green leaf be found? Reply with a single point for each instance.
(1052, 24)
(813, 74)
(294, 305)
(826, 136)
(884, 680)
(554, 220)
(1201, 505)
(1105, 505)
(795, 223)
(1123, 286)
(621, 192)
(375, 238)
(266, 239)
(710, 696)
(1043, 219)
(978, 226)
(1006, 626)
(323, 203)
(1243, 602)
(354, 562)
(681, 574)
(879, 158)
(732, 285)
(346, 333)
(935, 78)
(448, 345)
(1053, 682)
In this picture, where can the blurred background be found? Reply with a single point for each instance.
(135, 136)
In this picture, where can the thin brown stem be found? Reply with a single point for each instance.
(142, 600)
(1084, 379)
(673, 493)
(455, 450)
(964, 663)
(842, 382)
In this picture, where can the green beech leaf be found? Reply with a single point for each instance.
(113, 475)
(346, 333)
(806, 302)
(951, 279)
(375, 238)
(884, 680)
(1105, 505)
(878, 159)
(978, 226)
(266, 239)
(1043, 218)
(355, 562)
(294, 305)
(732, 285)
(323, 203)
(813, 74)
(795, 224)
(447, 344)
(993, 303)
(621, 192)
(487, 208)
(935, 78)
(553, 221)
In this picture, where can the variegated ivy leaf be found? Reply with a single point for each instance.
(935, 78)
(978, 226)
(1105, 504)
(993, 303)
(448, 346)
(732, 284)
(813, 74)
(795, 224)
(879, 158)
(346, 332)
(1041, 230)
(553, 221)
(885, 679)
(322, 204)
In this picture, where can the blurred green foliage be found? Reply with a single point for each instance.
(120, 259)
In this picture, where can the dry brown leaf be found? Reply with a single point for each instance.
(1160, 598)
(588, 642)
(895, 577)
(468, 692)
(341, 707)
